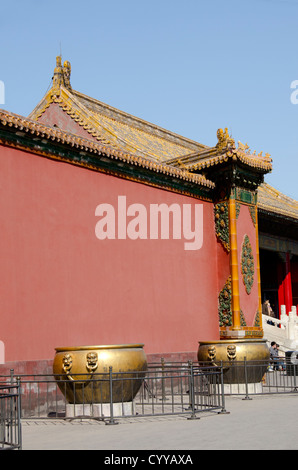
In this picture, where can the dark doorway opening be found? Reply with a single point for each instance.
(269, 265)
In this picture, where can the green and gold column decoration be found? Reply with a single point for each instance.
(236, 314)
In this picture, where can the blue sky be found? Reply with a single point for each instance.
(189, 66)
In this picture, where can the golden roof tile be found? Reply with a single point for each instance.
(117, 128)
(29, 126)
(272, 200)
(132, 139)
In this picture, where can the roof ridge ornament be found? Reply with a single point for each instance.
(246, 149)
(225, 142)
(61, 76)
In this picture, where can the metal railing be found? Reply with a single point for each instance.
(10, 417)
(249, 378)
(281, 376)
(171, 389)
(186, 389)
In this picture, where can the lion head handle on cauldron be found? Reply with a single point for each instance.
(67, 363)
(92, 361)
(212, 353)
(231, 352)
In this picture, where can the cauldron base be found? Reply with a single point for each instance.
(242, 389)
(99, 410)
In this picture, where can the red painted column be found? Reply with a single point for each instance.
(281, 287)
(288, 284)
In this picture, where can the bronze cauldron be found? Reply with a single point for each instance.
(242, 359)
(83, 373)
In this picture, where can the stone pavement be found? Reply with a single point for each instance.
(263, 423)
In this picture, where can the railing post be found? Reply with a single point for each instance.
(111, 420)
(246, 381)
(189, 385)
(163, 390)
(2, 422)
(294, 370)
(19, 412)
(223, 405)
(192, 391)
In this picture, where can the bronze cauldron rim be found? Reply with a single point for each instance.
(232, 340)
(100, 346)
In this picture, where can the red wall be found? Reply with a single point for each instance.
(249, 303)
(294, 275)
(61, 286)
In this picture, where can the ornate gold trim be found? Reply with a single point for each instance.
(257, 320)
(238, 209)
(225, 304)
(221, 214)
(258, 268)
(247, 264)
(234, 265)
